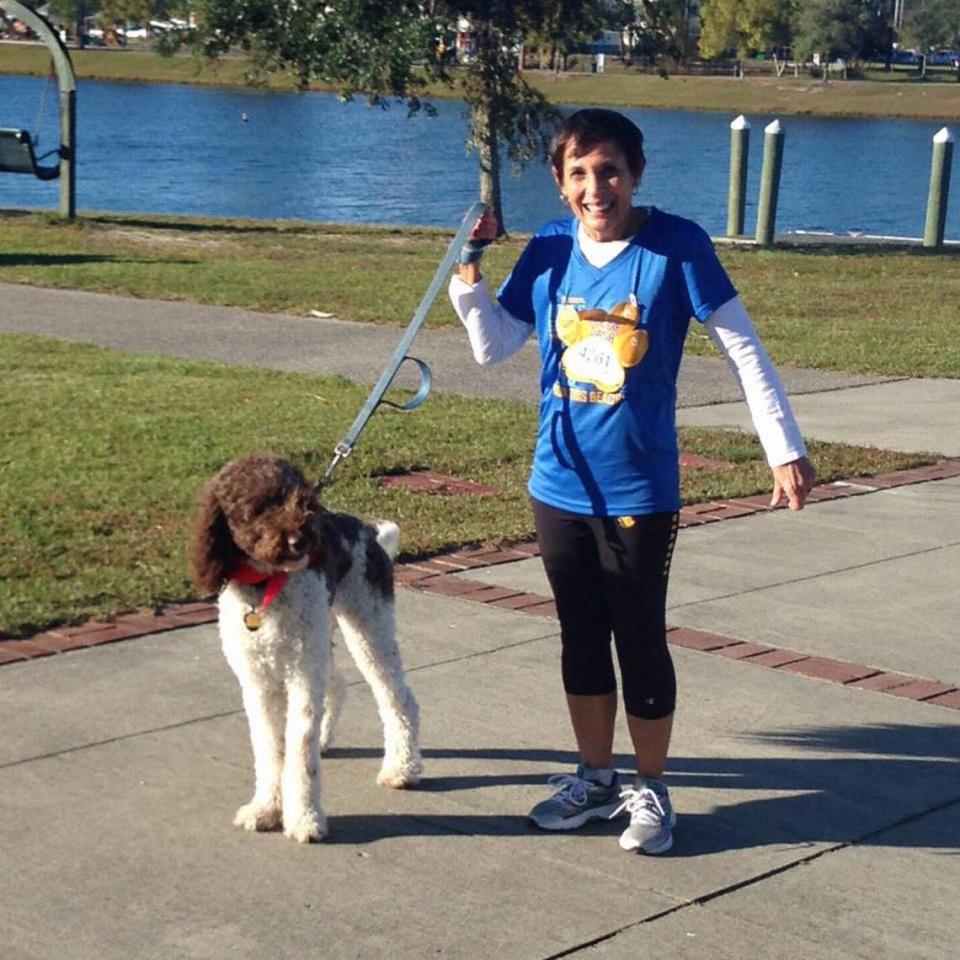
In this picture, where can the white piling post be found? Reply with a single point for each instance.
(737, 192)
(769, 182)
(939, 188)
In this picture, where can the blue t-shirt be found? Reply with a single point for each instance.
(610, 342)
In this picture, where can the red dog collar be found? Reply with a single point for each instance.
(250, 576)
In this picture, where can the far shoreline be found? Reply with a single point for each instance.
(895, 98)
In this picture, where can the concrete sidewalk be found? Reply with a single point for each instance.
(818, 818)
(358, 351)
(815, 819)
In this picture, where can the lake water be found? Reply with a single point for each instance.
(174, 149)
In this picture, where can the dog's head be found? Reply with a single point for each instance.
(258, 508)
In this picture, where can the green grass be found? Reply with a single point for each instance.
(102, 455)
(861, 309)
(898, 95)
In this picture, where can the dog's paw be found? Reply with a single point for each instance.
(399, 777)
(258, 816)
(325, 741)
(308, 827)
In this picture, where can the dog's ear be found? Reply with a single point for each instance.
(212, 551)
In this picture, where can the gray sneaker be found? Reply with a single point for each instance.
(652, 817)
(576, 801)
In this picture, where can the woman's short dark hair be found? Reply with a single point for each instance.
(592, 126)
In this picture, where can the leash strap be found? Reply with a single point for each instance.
(345, 447)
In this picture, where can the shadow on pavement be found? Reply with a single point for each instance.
(879, 792)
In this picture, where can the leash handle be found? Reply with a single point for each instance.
(345, 447)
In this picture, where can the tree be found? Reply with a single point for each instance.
(119, 12)
(929, 24)
(850, 29)
(389, 50)
(658, 28)
(745, 27)
(564, 26)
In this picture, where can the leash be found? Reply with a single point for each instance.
(345, 447)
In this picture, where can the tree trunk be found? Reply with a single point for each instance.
(485, 132)
(484, 119)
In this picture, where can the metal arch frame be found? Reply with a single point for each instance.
(67, 81)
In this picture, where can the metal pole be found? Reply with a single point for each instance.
(939, 188)
(769, 182)
(68, 152)
(737, 192)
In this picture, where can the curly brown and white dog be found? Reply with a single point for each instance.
(284, 567)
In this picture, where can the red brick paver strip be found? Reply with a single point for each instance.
(449, 586)
(526, 549)
(943, 470)
(698, 640)
(9, 655)
(55, 643)
(488, 594)
(459, 561)
(882, 682)
(951, 699)
(23, 649)
(822, 668)
(428, 566)
(408, 574)
(167, 620)
(196, 606)
(86, 635)
(758, 502)
(434, 576)
(192, 618)
(777, 658)
(741, 651)
(922, 690)
(711, 508)
(509, 555)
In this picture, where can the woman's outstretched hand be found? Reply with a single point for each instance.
(793, 482)
(486, 228)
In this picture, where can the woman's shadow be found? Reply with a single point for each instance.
(878, 785)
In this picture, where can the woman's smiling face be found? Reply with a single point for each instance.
(599, 187)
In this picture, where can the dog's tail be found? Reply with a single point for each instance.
(388, 536)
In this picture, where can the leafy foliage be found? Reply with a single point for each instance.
(389, 50)
(852, 29)
(841, 28)
(932, 23)
(658, 28)
(746, 27)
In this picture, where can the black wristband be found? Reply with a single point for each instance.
(472, 251)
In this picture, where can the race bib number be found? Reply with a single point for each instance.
(601, 346)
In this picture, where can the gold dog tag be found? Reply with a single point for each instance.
(252, 619)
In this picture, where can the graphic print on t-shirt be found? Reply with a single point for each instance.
(600, 345)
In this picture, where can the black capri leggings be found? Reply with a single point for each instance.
(609, 576)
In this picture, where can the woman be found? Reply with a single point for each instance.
(609, 293)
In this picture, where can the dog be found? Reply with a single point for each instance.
(285, 568)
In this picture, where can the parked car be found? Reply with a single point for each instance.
(943, 58)
(907, 58)
(135, 31)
